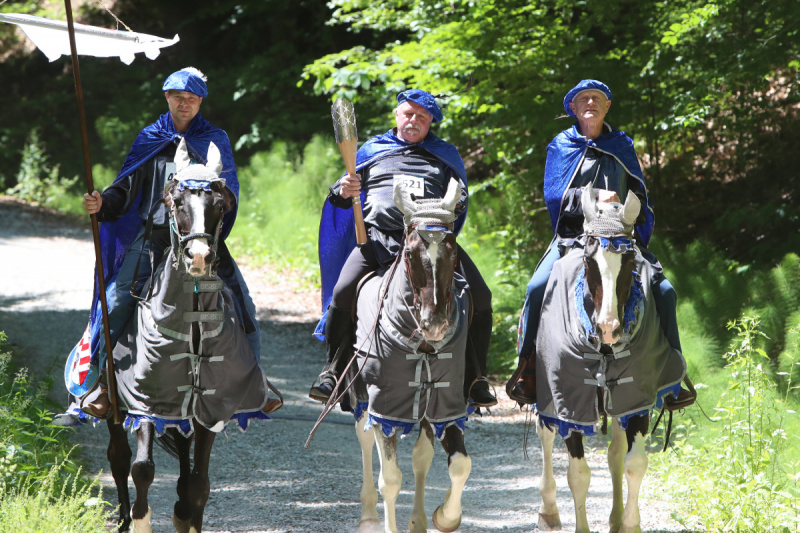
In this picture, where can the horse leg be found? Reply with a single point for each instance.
(369, 495)
(578, 477)
(447, 517)
(182, 512)
(199, 485)
(549, 519)
(635, 469)
(119, 456)
(143, 471)
(421, 459)
(390, 478)
(616, 466)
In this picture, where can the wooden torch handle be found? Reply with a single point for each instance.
(348, 147)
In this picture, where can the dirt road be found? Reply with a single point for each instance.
(265, 481)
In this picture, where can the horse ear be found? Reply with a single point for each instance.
(402, 199)
(452, 196)
(182, 160)
(630, 211)
(214, 159)
(589, 203)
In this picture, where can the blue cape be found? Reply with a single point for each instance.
(337, 235)
(117, 237)
(564, 154)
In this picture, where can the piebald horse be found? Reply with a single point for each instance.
(410, 346)
(607, 353)
(184, 367)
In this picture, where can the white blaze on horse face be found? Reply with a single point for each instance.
(608, 321)
(198, 250)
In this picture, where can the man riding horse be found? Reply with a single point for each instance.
(590, 152)
(412, 154)
(124, 209)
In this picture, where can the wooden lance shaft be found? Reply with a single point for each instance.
(101, 288)
(348, 148)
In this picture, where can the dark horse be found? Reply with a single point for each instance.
(183, 365)
(600, 349)
(410, 345)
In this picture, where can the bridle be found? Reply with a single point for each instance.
(179, 241)
(434, 233)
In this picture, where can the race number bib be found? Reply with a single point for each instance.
(169, 170)
(413, 184)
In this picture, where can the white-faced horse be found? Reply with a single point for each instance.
(600, 348)
(184, 367)
(410, 345)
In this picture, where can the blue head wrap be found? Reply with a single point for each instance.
(188, 79)
(585, 85)
(426, 100)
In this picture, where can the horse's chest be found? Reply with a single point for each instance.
(402, 383)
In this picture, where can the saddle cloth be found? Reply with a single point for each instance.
(570, 367)
(400, 383)
(159, 377)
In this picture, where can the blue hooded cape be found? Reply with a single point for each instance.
(337, 235)
(564, 154)
(117, 237)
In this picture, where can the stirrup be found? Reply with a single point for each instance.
(327, 384)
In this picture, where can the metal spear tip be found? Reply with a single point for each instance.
(344, 120)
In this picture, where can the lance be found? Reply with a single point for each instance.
(101, 285)
(344, 128)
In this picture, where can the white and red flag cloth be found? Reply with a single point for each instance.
(80, 373)
(52, 38)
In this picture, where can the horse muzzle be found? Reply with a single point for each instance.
(434, 330)
(198, 257)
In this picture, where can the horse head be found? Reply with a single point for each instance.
(609, 259)
(200, 200)
(430, 256)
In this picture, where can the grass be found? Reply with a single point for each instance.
(41, 486)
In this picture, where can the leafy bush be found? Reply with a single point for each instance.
(40, 483)
(38, 181)
(53, 505)
(744, 474)
(281, 197)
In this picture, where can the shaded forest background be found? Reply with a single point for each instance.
(708, 91)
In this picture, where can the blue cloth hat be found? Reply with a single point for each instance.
(585, 85)
(189, 79)
(426, 100)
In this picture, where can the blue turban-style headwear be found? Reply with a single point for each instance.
(187, 79)
(426, 100)
(585, 85)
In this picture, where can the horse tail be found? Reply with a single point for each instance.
(168, 441)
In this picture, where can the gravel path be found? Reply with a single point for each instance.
(265, 481)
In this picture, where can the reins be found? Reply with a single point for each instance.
(335, 399)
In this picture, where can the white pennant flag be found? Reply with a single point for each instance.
(52, 38)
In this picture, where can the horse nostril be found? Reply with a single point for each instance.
(426, 324)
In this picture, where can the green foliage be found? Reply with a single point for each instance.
(38, 181)
(281, 198)
(54, 504)
(30, 445)
(744, 473)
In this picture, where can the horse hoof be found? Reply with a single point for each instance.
(180, 525)
(437, 522)
(370, 525)
(142, 525)
(549, 522)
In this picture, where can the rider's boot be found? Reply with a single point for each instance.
(478, 392)
(521, 386)
(338, 341)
